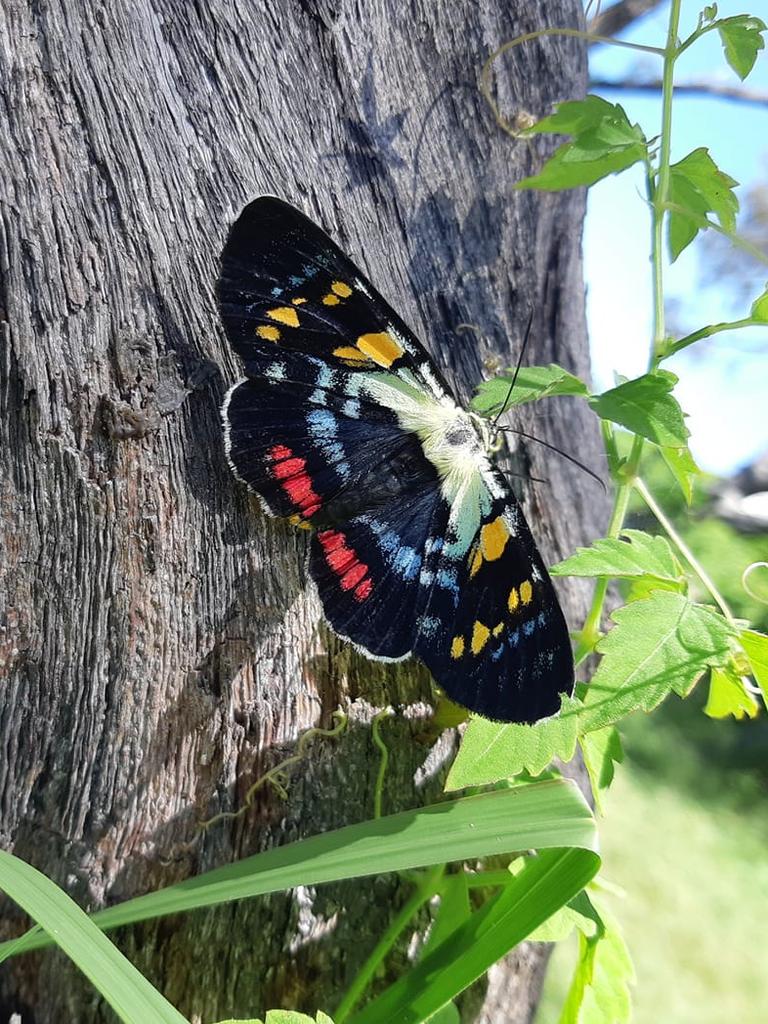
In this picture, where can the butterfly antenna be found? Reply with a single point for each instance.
(554, 448)
(523, 347)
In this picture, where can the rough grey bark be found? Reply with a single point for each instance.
(159, 649)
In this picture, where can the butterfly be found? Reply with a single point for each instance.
(344, 425)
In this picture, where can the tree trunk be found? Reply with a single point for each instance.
(159, 650)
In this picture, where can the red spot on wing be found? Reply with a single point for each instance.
(288, 468)
(343, 561)
(353, 576)
(279, 451)
(291, 471)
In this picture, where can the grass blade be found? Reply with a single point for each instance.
(538, 816)
(547, 883)
(126, 990)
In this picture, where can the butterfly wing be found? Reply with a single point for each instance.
(343, 424)
(491, 629)
(284, 283)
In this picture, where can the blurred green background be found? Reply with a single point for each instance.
(685, 832)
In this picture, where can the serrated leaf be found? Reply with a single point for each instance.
(759, 310)
(646, 406)
(742, 40)
(637, 554)
(756, 649)
(656, 646)
(601, 749)
(683, 468)
(727, 696)
(491, 751)
(697, 185)
(603, 142)
(599, 992)
(532, 383)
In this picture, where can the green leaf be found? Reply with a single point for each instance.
(548, 881)
(698, 186)
(251, 1020)
(759, 310)
(491, 751)
(646, 407)
(599, 992)
(639, 554)
(578, 914)
(710, 12)
(742, 39)
(546, 814)
(683, 468)
(285, 1017)
(533, 382)
(756, 649)
(603, 142)
(664, 643)
(129, 994)
(291, 1017)
(601, 749)
(727, 696)
(642, 587)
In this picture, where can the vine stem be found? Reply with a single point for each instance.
(572, 33)
(657, 194)
(383, 760)
(683, 548)
(425, 890)
(708, 332)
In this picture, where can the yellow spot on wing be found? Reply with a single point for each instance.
(457, 647)
(298, 301)
(477, 561)
(526, 591)
(480, 634)
(348, 352)
(341, 289)
(493, 538)
(331, 300)
(382, 348)
(513, 600)
(268, 332)
(498, 629)
(284, 315)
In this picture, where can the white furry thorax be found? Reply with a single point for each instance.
(457, 443)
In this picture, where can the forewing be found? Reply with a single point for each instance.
(284, 283)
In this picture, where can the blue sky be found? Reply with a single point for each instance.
(724, 387)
